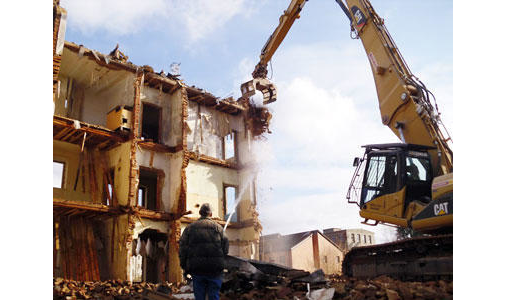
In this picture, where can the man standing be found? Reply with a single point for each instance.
(203, 248)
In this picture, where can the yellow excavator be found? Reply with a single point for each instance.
(407, 184)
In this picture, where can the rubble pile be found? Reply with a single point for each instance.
(111, 290)
(384, 287)
(250, 279)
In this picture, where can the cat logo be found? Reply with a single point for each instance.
(441, 209)
(359, 16)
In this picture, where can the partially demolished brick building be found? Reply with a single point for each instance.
(135, 153)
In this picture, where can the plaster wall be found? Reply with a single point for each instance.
(93, 90)
(278, 257)
(302, 255)
(99, 102)
(208, 127)
(161, 161)
(119, 159)
(164, 102)
(160, 226)
(329, 252)
(205, 184)
(69, 155)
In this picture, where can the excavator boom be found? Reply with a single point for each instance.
(259, 81)
(404, 101)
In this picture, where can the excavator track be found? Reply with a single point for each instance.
(419, 259)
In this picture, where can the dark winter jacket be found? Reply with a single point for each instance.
(203, 248)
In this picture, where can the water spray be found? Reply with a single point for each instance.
(238, 198)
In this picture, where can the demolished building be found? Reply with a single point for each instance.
(135, 153)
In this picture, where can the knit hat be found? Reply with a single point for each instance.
(205, 210)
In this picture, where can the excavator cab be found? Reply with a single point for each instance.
(392, 182)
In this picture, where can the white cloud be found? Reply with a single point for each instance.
(438, 79)
(117, 17)
(202, 17)
(327, 108)
(316, 134)
(199, 18)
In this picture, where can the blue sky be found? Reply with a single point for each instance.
(327, 106)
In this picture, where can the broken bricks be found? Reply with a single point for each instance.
(251, 279)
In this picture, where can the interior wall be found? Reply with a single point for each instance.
(205, 184)
(95, 89)
(174, 136)
(99, 102)
(161, 161)
(119, 159)
(69, 154)
(164, 102)
(116, 236)
(207, 128)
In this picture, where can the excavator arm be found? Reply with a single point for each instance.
(260, 82)
(404, 101)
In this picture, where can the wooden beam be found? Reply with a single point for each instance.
(61, 133)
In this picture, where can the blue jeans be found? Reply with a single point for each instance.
(206, 285)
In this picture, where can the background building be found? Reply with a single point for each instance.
(348, 238)
(310, 250)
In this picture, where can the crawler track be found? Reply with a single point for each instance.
(420, 258)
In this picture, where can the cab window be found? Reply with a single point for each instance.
(381, 177)
(418, 169)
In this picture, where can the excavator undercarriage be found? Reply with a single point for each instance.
(418, 258)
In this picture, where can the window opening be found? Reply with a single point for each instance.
(229, 142)
(338, 259)
(141, 196)
(150, 129)
(325, 259)
(370, 239)
(230, 205)
(147, 192)
(353, 238)
(365, 238)
(58, 168)
(358, 238)
(108, 189)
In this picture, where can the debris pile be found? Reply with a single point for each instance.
(111, 290)
(251, 279)
(384, 287)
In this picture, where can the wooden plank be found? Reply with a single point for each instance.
(107, 177)
(61, 133)
(74, 259)
(92, 176)
(95, 262)
(64, 250)
(67, 136)
(75, 212)
(103, 144)
(89, 130)
(83, 253)
(77, 137)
